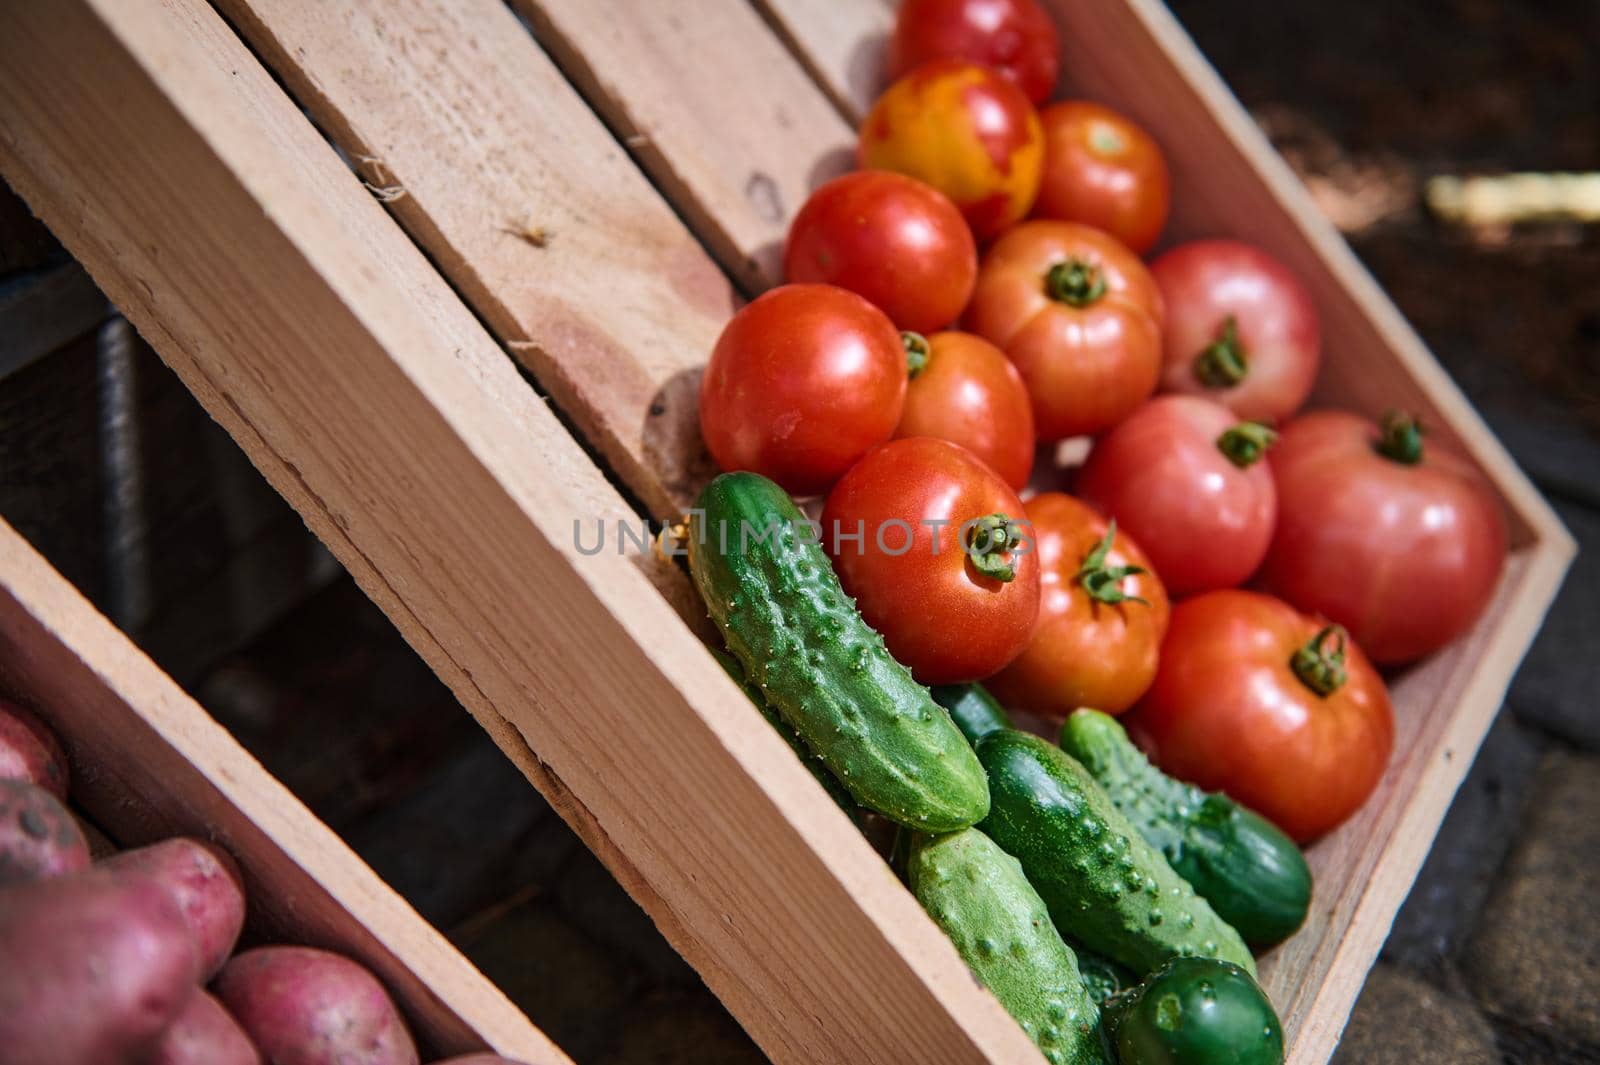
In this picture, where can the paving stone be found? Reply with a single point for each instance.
(1535, 957)
(1401, 1019)
(683, 1032)
(1555, 687)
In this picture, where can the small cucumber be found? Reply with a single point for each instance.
(975, 712)
(814, 766)
(976, 892)
(1195, 1011)
(1252, 874)
(1101, 976)
(774, 595)
(1105, 886)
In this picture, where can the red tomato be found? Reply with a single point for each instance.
(1078, 314)
(965, 130)
(1400, 543)
(1183, 476)
(1257, 700)
(1015, 37)
(941, 567)
(1103, 170)
(1102, 614)
(964, 390)
(891, 239)
(801, 383)
(1240, 328)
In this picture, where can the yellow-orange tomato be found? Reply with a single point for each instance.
(967, 131)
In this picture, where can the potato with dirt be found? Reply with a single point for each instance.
(30, 751)
(206, 884)
(94, 967)
(205, 1034)
(39, 838)
(302, 1006)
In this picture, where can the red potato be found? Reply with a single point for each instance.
(94, 967)
(205, 883)
(308, 1007)
(205, 1034)
(38, 837)
(30, 751)
(479, 1059)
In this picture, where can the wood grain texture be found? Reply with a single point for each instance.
(713, 106)
(842, 43)
(209, 209)
(499, 170)
(148, 763)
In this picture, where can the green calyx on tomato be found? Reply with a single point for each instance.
(1103, 582)
(918, 351)
(990, 540)
(1319, 665)
(1244, 444)
(1075, 282)
(1223, 363)
(1401, 438)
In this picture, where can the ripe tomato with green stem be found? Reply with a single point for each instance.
(1079, 316)
(1102, 614)
(935, 548)
(1279, 710)
(1398, 539)
(801, 383)
(1102, 169)
(1015, 37)
(1185, 478)
(963, 389)
(892, 240)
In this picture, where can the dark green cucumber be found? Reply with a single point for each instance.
(1252, 874)
(813, 764)
(774, 595)
(1101, 976)
(976, 892)
(1195, 1011)
(1105, 886)
(975, 712)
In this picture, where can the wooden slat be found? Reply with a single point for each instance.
(497, 167)
(207, 207)
(149, 763)
(713, 106)
(843, 44)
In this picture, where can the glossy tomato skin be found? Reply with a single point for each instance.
(912, 578)
(1015, 37)
(1207, 282)
(1084, 652)
(1227, 712)
(890, 239)
(1089, 363)
(967, 392)
(1205, 522)
(1404, 556)
(801, 383)
(1104, 170)
(967, 131)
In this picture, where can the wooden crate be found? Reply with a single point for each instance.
(149, 763)
(593, 199)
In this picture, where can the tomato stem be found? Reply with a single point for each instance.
(1223, 362)
(1320, 668)
(918, 351)
(1245, 443)
(990, 539)
(1075, 282)
(1401, 438)
(1103, 582)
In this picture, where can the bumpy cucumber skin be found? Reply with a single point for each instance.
(1101, 976)
(1251, 872)
(799, 638)
(1195, 1011)
(977, 893)
(975, 712)
(1105, 886)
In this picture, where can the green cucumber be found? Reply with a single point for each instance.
(1101, 976)
(774, 595)
(976, 892)
(1195, 1011)
(1252, 874)
(1105, 886)
(975, 712)
(814, 766)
